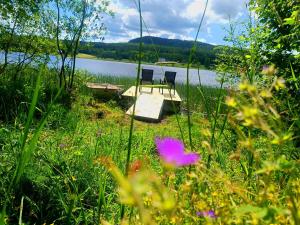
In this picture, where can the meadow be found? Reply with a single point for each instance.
(62, 170)
(228, 156)
(65, 165)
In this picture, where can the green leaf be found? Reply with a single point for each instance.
(246, 209)
(289, 21)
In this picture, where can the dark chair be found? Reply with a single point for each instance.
(147, 77)
(169, 79)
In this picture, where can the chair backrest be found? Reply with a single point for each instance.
(170, 77)
(147, 75)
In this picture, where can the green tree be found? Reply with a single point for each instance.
(20, 24)
(280, 46)
(269, 41)
(75, 20)
(280, 35)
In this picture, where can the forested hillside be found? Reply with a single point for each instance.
(153, 49)
(172, 42)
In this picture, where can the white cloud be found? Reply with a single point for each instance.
(172, 19)
(194, 9)
(218, 11)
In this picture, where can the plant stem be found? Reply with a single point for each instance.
(192, 53)
(134, 105)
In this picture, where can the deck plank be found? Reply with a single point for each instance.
(148, 107)
(146, 90)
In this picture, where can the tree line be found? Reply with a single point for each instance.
(153, 49)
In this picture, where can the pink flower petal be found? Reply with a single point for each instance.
(188, 159)
(169, 146)
(172, 151)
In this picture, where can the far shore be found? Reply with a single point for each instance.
(178, 65)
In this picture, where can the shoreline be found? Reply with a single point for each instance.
(179, 65)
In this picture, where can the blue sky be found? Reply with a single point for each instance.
(173, 19)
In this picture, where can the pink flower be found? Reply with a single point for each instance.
(171, 151)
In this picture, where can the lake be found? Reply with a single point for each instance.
(121, 69)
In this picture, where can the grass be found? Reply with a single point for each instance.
(51, 179)
(86, 56)
(64, 179)
(54, 176)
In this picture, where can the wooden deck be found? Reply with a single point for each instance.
(151, 105)
(146, 90)
(104, 86)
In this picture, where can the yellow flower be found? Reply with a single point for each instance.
(269, 70)
(265, 94)
(206, 133)
(249, 112)
(248, 143)
(243, 86)
(231, 102)
(248, 122)
(247, 87)
(279, 84)
(173, 220)
(280, 140)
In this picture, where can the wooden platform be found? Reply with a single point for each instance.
(146, 90)
(151, 105)
(104, 86)
(148, 107)
(105, 91)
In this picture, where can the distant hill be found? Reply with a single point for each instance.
(154, 48)
(171, 42)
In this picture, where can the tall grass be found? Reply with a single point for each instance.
(26, 146)
(199, 103)
(191, 57)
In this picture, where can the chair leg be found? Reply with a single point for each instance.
(140, 86)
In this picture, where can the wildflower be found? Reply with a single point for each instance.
(281, 139)
(266, 94)
(135, 167)
(209, 213)
(247, 143)
(247, 87)
(231, 102)
(280, 84)
(243, 86)
(269, 70)
(172, 152)
(99, 133)
(250, 112)
(206, 133)
(62, 146)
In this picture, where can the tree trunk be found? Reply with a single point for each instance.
(77, 44)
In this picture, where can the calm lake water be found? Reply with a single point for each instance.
(130, 70)
(121, 69)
